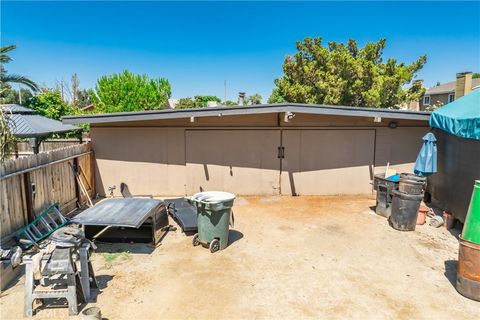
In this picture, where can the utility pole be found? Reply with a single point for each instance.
(225, 86)
(20, 95)
(61, 89)
(75, 88)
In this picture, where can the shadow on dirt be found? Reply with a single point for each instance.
(451, 271)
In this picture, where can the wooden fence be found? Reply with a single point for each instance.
(28, 185)
(23, 148)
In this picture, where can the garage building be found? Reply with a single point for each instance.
(286, 149)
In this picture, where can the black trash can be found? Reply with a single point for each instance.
(412, 184)
(384, 188)
(404, 210)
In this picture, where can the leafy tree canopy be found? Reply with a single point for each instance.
(275, 97)
(344, 74)
(7, 139)
(254, 99)
(130, 92)
(10, 95)
(196, 102)
(84, 98)
(476, 75)
(229, 103)
(49, 103)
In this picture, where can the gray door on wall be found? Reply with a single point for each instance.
(244, 162)
(327, 162)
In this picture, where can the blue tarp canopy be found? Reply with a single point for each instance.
(460, 117)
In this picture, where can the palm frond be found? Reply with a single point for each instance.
(4, 58)
(15, 78)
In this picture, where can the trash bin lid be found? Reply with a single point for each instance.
(213, 196)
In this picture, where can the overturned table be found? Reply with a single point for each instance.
(125, 219)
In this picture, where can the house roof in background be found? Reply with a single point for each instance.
(27, 124)
(241, 110)
(16, 109)
(449, 87)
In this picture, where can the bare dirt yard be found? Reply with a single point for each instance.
(289, 258)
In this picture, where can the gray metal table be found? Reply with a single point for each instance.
(127, 213)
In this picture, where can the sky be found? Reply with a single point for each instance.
(198, 46)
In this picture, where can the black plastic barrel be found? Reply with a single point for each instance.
(413, 177)
(411, 186)
(404, 210)
(384, 188)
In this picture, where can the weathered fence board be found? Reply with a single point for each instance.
(34, 182)
(23, 148)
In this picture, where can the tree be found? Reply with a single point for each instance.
(229, 103)
(196, 102)
(10, 95)
(340, 74)
(75, 88)
(84, 98)
(185, 103)
(254, 99)
(275, 97)
(130, 92)
(49, 103)
(476, 75)
(7, 139)
(6, 78)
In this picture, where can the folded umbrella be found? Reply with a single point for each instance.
(426, 163)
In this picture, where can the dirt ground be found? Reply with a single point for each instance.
(289, 258)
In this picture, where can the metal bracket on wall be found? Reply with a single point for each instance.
(281, 152)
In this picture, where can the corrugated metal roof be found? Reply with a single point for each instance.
(26, 124)
(16, 108)
(33, 125)
(240, 110)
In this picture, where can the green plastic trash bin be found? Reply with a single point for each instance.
(213, 218)
(471, 228)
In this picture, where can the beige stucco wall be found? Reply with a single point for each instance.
(151, 161)
(323, 154)
(327, 161)
(399, 147)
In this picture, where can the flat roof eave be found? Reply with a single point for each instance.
(247, 110)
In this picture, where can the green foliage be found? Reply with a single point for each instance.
(185, 103)
(130, 92)
(476, 75)
(49, 103)
(202, 101)
(229, 103)
(275, 97)
(340, 74)
(5, 77)
(84, 98)
(7, 139)
(254, 99)
(196, 102)
(9, 95)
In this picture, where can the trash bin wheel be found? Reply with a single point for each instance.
(214, 245)
(195, 240)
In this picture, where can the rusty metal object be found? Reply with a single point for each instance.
(468, 272)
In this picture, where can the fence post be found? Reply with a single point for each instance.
(77, 187)
(28, 196)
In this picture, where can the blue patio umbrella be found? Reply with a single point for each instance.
(426, 163)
